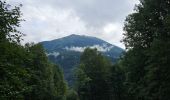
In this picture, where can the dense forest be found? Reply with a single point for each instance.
(141, 73)
(26, 73)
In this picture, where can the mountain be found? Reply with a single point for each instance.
(66, 51)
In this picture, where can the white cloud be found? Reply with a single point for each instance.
(48, 23)
(101, 48)
(51, 19)
(77, 49)
(110, 28)
(55, 54)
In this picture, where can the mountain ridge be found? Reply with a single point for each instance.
(66, 51)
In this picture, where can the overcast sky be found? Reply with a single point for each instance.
(52, 19)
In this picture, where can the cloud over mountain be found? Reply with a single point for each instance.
(66, 51)
(101, 48)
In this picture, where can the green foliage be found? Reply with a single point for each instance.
(47, 80)
(93, 76)
(147, 23)
(9, 21)
(72, 95)
(158, 71)
(26, 73)
(60, 86)
(117, 77)
(146, 63)
(13, 71)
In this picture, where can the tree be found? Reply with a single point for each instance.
(13, 73)
(146, 37)
(72, 95)
(149, 22)
(158, 75)
(60, 86)
(117, 78)
(10, 20)
(26, 73)
(93, 76)
(47, 79)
